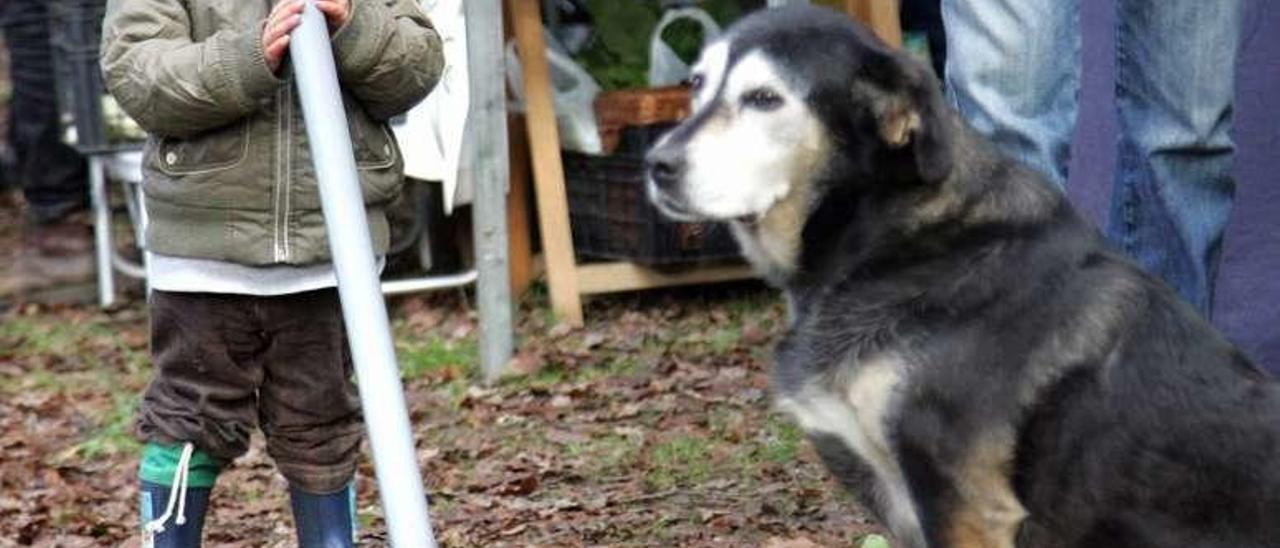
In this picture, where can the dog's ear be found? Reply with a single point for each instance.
(908, 108)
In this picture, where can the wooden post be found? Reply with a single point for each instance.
(881, 16)
(487, 124)
(521, 241)
(548, 171)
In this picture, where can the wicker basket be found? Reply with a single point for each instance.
(618, 109)
(612, 218)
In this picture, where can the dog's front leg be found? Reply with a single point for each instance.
(962, 485)
(987, 513)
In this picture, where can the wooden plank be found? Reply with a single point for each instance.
(623, 276)
(881, 16)
(520, 242)
(548, 172)
(523, 268)
(489, 161)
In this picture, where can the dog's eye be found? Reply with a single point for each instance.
(695, 82)
(761, 99)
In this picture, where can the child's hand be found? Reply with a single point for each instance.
(285, 17)
(337, 12)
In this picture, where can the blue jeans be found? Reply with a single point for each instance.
(1013, 71)
(53, 175)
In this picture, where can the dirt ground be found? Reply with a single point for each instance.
(652, 427)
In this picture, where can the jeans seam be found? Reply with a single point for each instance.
(1124, 166)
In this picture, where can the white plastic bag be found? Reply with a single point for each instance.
(665, 67)
(574, 92)
(432, 132)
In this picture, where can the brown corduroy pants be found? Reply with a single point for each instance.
(227, 363)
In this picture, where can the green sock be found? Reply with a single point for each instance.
(160, 465)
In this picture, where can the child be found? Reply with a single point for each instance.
(245, 320)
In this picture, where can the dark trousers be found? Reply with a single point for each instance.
(52, 175)
(227, 363)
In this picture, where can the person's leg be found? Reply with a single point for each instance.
(54, 259)
(206, 351)
(1175, 85)
(167, 525)
(324, 520)
(1013, 71)
(925, 16)
(53, 175)
(310, 412)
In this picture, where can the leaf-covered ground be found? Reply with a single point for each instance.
(652, 427)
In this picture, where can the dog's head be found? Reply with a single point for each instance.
(787, 101)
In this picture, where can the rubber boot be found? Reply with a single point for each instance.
(324, 521)
(155, 498)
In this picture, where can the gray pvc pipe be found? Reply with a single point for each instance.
(369, 333)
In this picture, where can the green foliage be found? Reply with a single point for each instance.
(39, 338)
(783, 441)
(112, 435)
(608, 454)
(434, 353)
(618, 54)
(873, 541)
(683, 460)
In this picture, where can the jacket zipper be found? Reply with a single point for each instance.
(288, 166)
(277, 238)
(278, 249)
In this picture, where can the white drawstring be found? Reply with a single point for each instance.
(177, 495)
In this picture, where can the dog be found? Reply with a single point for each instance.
(966, 354)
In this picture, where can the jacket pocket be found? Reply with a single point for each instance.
(372, 142)
(208, 152)
(376, 151)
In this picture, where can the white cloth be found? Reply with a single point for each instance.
(431, 133)
(187, 275)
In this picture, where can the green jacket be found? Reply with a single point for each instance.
(227, 170)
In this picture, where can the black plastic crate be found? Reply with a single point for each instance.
(612, 218)
(75, 30)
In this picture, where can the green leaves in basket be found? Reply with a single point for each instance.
(618, 54)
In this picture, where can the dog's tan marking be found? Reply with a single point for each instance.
(772, 244)
(898, 124)
(855, 408)
(869, 394)
(896, 117)
(989, 512)
(938, 205)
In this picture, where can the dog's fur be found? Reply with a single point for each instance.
(965, 352)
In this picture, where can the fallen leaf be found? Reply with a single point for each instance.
(560, 330)
(779, 542)
(525, 363)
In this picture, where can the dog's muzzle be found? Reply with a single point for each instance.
(664, 166)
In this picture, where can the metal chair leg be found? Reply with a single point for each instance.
(102, 231)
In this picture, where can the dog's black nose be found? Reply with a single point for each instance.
(664, 165)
